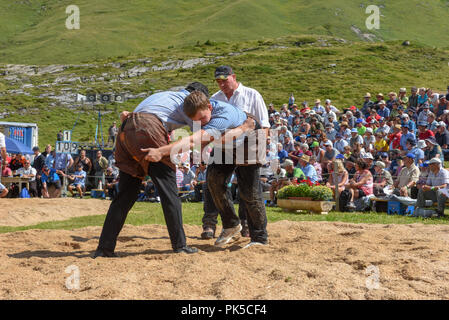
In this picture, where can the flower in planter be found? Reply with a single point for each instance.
(321, 193)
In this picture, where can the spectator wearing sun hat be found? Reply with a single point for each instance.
(383, 111)
(402, 97)
(433, 149)
(408, 177)
(382, 178)
(437, 180)
(308, 170)
(318, 108)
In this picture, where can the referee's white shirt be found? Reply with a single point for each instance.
(2, 140)
(248, 100)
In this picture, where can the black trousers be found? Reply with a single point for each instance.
(210, 209)
(250, 191)
(164, 179)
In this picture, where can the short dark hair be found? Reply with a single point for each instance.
(198, 86)
(362, 164)
(194, 102)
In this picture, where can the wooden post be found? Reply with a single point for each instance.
(337, 192)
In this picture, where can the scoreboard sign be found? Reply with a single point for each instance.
(66, 147)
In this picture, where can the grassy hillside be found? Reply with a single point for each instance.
(310, 67)
(33, 31)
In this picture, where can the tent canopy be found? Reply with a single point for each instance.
(14, 146)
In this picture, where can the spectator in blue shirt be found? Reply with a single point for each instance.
(79, 181)
(50, 178)
(406, 135)
(308, 170)
(383, 111)
(411, 147)
(282, 154)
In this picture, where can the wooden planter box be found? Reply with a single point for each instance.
(290, 205)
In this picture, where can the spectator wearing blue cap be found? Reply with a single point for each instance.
(406, 135)
(361, 129)
(437, 180)
(412, 148)
(407, 178)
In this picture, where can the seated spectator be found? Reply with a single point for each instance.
(442, 105)
(402, 98)
(282, 154)
(288, 144)
(29, 172)
(342, 178)
(423, 132)
(111, 183)
(442, 138)
(395, 137)
(330, 131)
(369, 140)
(406, 135)
(431, 122)
(391, 101)
(308, 169)
(188, 177)
(411, 147)
(437, 180)
(6, 170)
(79, 180)
(355, 138)
(394, 109)
(3, 191)
(362, 183)
(383, 111)
(380, 145)
(317, 152)
(16, 163)
(382, 179)
(295, 154)
(383, 127)
(408, 177)
(279, 176)
(329, 156)
(433, 150)
(340, 143)
(200, 179)
(50, 178)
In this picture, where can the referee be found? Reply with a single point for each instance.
(248, 100)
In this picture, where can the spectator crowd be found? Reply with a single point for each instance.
(396, 142)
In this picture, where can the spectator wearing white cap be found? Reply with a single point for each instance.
(318, 108)
(382, 178)
(328, 102)
(369, 140)
(442, 138)
(328, 112)
(437, 180)
(329, 156)
(355, 137)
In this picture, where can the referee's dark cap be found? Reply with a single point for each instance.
(222, 72)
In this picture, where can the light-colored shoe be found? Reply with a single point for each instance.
(227, 234)
(254, 243)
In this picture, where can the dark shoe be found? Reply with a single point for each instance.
(245, 230)
(104, 254)
(186, 249)
(208, 233)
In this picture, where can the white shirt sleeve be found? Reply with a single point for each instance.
(260, 110)
(2, 140)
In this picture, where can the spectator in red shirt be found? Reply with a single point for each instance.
(395, 137)
(423, 132)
